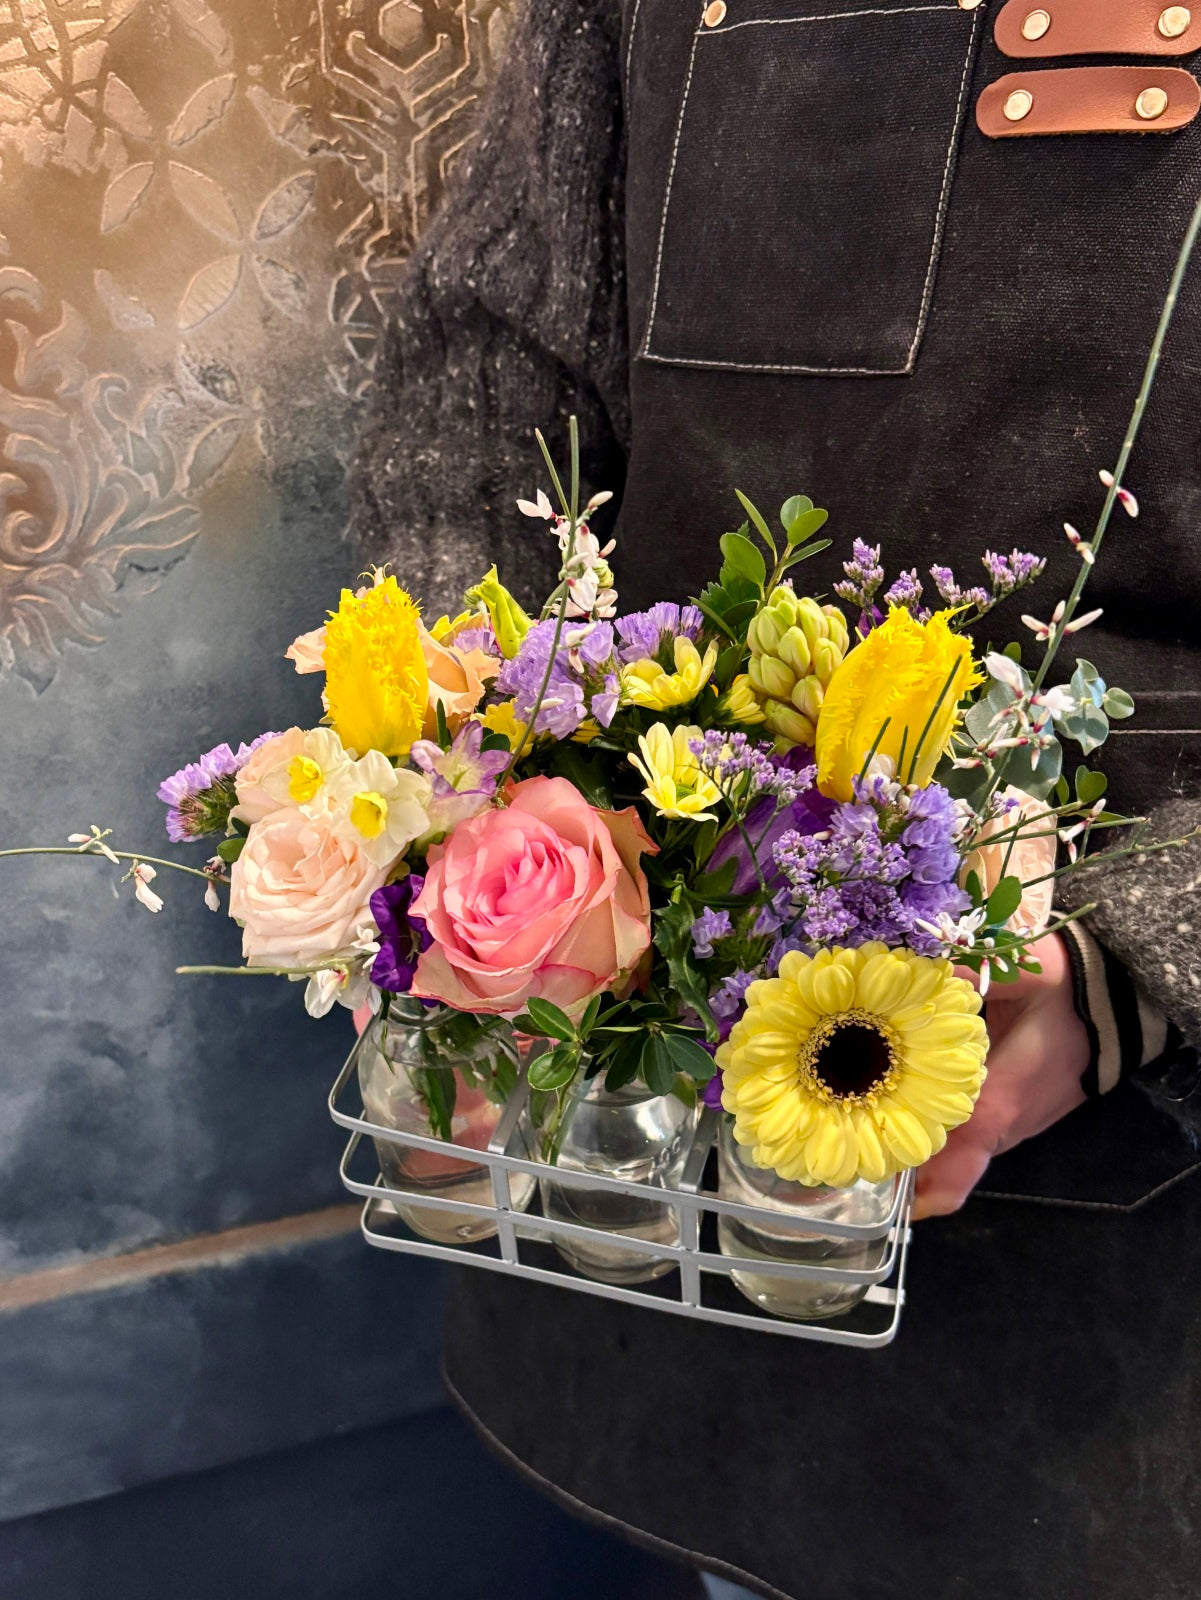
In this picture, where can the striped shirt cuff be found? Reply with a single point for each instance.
(1125, 1029)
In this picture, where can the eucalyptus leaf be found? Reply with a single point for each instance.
(1118, 705)
(1090, 786)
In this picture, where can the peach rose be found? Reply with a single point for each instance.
(1032, 856)
(300, 893)
(457, 678)
(544, 898)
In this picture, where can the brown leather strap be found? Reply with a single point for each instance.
(1028, 28)
(1149, 99)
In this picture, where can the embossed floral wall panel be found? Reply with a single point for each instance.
(203, 210)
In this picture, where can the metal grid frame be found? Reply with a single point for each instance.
(700, 1270)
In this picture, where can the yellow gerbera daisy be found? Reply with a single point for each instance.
(853, 1064)
(646, 683)
(675, 785)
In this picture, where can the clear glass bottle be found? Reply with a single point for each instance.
(624, 1133)
(408, 1055)
(802, 1299)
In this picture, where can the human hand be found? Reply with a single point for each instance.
(1038, 1050)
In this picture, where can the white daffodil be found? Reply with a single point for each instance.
(380, 807)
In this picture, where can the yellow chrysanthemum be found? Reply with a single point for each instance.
(853, 1064)
(675, 785)
(646, 683)
(376, 683)
(893, 680)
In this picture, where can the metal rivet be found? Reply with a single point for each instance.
(1018, 105)
(1150, 104)
(1174, 21)
(968, 5)
(1036, 24)
(715, 14)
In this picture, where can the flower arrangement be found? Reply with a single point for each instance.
(767, 848)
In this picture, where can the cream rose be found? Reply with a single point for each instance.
(1027, 854)
(299, 892)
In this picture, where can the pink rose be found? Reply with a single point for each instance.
(268, 763)
(1027, 855)
(544, 898)
(300, 893)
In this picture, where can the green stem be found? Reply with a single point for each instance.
(121, 855)
(917, 749)
(1059, 632)
(255, 972)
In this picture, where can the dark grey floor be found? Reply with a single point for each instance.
(416, 1510)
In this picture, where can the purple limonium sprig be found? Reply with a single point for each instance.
(583, 678)
(1012, 572)
(768, 820)
(887, 865)
(707, 929)
(652, 634)
(906, 591)
(200, 796)
(864, 575)
(402, 937)
(727, 999)
(747, 770)
(462, 778)
(952, 595)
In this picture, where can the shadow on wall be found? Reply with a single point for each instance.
(202, 214)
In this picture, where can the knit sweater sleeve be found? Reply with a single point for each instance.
(1137, 956)
(511, 316)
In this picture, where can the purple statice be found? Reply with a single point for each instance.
(744, 770)
(774, 914)
(711, 1093)
(769, 818)
(652, 634)
(707, 929)
(402, 937)
(462, 778)
(906, 591)
(200, 796)
(864, 575)
(480, 637)
(583, 679)
(888, 862)
(952, 595)
(1012, 572)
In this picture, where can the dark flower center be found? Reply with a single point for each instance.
(853, 1059)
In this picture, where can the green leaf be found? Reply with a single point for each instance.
(655, 1065)
(673, 938)
(1090, 786)
(549, 1019)
(728, 663)
(1062, 792)
(436, 1086)
(793, 508)
(623, 1068)
(814, 549)
(704, 837)
(718, 885)
(1118, 705)
(1004, 900)
(554, 1070)
(684, 1088)
(230, 849)
(690, 1057)
(806, 524)
(443, 730)
(587, 772)
(975, 888)
(1013, 650)
(743, 559)
(756, 517)
(493, 741)
(588, 1020)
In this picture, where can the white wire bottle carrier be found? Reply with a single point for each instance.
(702, 1286)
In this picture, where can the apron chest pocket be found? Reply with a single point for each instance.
(808, 187)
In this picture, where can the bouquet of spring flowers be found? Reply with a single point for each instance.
(743, 849)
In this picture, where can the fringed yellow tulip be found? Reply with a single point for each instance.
(906, 678)
(376, 683)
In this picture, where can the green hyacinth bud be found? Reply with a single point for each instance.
(795, 647)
